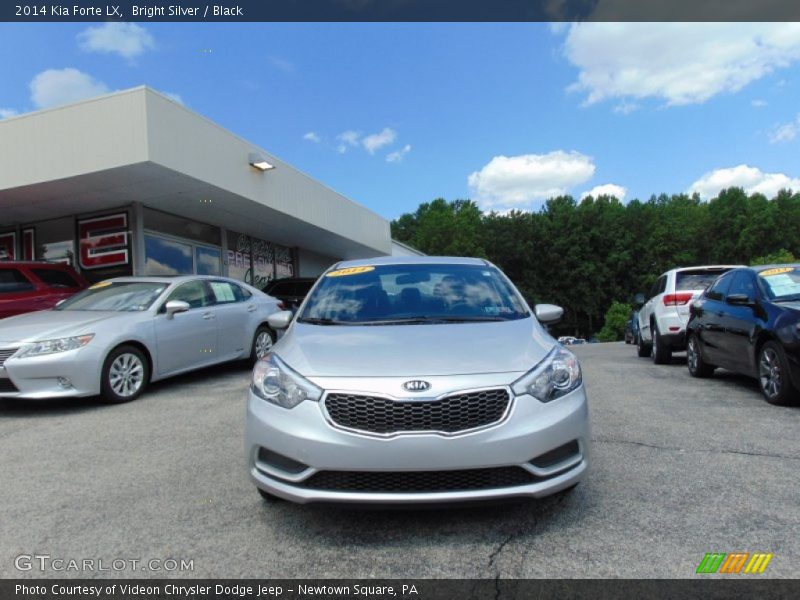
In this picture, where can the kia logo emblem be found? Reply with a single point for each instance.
(416, 385)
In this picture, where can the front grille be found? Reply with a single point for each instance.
(6, 385)
(419, 481)
(458, 412)
(5, 354)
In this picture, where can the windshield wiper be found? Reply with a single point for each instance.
(320, 321)
(792, 298)
(423, 319)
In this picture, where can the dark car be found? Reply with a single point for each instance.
(30, 286)
(291, 291)
(632, 328)
(747, 321)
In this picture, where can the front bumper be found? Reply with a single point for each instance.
(41, 377)
(304, 436)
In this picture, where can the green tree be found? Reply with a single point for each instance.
(781, 256)
(614, 328)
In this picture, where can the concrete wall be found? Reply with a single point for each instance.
(312, 264)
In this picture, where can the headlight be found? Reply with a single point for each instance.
(558, 374)
(275, 382)
(53, 346)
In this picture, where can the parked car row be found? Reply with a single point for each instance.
(746, 320)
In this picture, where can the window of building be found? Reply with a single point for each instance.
(208, 261)
(155, 220)
(166, 257)
(55, 241)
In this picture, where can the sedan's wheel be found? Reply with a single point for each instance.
(643, 349)
(125, 375)
(662, 354)
(262, 343)
(694, 359)
(773, 375)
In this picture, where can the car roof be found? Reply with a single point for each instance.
(700, 267)
(759, 268)
(412, 260)
(175, 279)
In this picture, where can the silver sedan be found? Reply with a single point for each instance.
(118, 335)
(416, 380)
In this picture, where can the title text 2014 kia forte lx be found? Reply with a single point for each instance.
(416, 380)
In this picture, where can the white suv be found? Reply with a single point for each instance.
(663, 318)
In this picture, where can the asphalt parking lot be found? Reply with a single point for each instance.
(680, 467)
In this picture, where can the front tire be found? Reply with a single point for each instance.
(694, 359)
(773, 375)
(126, 373)
(662, 354)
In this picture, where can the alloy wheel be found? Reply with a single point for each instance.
(769, 373)
(263, 344)
(691, 354)
(126, 375)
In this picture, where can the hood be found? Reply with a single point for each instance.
(52, 324)
(414, 350)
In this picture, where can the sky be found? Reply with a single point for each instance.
(393, 114)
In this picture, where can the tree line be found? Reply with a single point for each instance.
(586, 254)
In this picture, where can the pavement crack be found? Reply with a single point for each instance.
(493, 557)
(701, 450)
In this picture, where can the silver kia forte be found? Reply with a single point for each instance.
(416, 380)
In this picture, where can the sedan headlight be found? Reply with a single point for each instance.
(275, 382)
(558, 374)
(54, 346)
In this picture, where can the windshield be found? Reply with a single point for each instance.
(396, 294)
(781, 283)
(117, 296)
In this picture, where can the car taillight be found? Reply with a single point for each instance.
(677, 299)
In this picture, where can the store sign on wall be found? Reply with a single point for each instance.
(103, 241)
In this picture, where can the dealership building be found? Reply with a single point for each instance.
(135, 183)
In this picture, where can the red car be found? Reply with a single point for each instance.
(29, 286)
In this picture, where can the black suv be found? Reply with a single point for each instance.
(290, 291)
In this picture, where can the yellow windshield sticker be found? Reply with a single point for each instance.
(350, 271)
(776, 271)
(102, 284)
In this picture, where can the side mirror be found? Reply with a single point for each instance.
(176, 306)
(740, 300)
(548, 313)
(638, 299)
(280, 320)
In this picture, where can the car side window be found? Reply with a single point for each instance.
(193, 293)
(654, 289)
(56, 278)
(662, 285)
(13, 281)
(719, 287)
(743, 283)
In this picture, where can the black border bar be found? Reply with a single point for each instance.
(399, 10)
(699, 587)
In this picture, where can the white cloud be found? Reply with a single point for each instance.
(129, 40)
(312, 137)
(7, 112)
(374, 142)
(174, 97)
(348, 139)
(518, 181)
(608, 189)
(282, 64)
(751, 179)
(679, 63)
(398, 155)
(758, 103)
(62, 86)
(785, 132)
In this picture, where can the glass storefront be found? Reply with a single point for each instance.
(166, 257)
